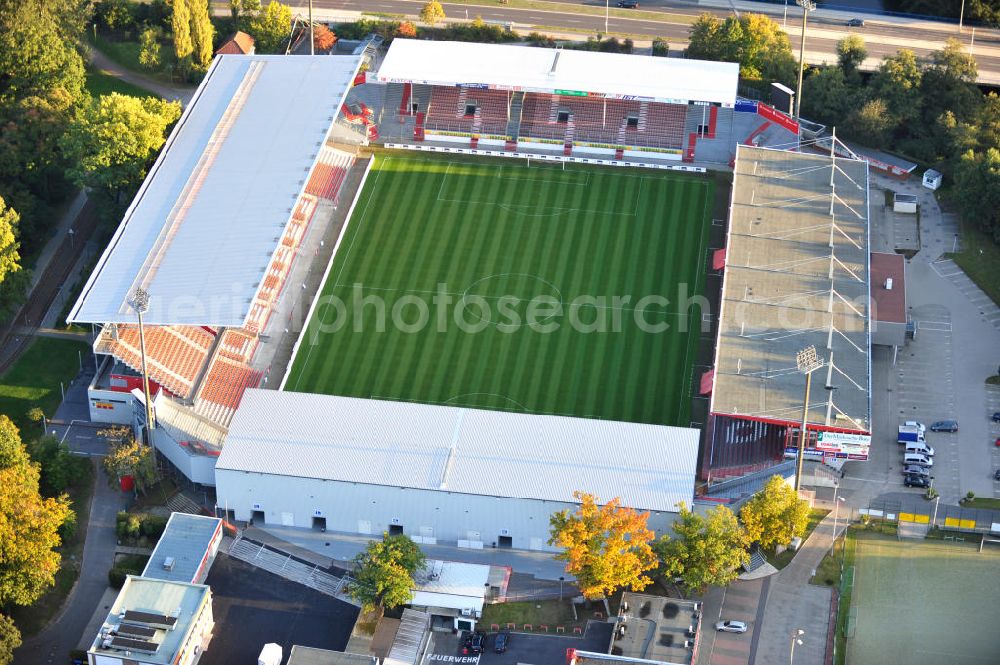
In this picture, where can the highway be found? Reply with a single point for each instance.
(883, 35)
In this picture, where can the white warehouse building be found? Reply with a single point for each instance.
(440, 474)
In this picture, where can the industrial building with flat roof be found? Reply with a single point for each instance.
(186, 549)
(444, 473)
(796, 276)
(155, 622)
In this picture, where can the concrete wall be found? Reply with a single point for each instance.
(197, 468)
(371, 509)
(109, 406)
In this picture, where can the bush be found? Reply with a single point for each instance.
(127, 525)
(661, 47)
(68, 528)
(116, 577)
(406, 30)
(538, 39)
(153, 525)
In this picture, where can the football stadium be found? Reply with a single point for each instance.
(396, 270)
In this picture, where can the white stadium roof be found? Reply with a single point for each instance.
(202, 229)
(533, 69)
(420, 446)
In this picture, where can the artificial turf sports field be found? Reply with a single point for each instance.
(924, 602)
(433, 226)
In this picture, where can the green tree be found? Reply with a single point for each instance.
(10, 639)
(383, 577)
(754, 41)
(113, 15)
(149, 48)
(432, 12)
(180, 26)
(270, 27)
(977, 189)
(774, 515)
(202, 33)
(236, 11)
(949, 84)
(872, 123)
(705, 550)
(898, 83)
(989, 122)
(826, 97)
(29, 524)
(128, 457)
(58, 467)
(10, 256)
(115, 138)
(851, 54)
(605, 547)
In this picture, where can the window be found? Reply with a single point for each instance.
(702, 130)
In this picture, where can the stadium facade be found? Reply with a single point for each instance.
(241, 216)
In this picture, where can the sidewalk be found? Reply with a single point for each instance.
(108, 66)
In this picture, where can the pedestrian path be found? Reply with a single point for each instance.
(988, 309)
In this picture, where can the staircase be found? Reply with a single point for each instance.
(179, 503)
(286, 566)
(643, 116)
(514, 114)
(757, 559)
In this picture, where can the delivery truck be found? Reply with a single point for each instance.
(909, 434)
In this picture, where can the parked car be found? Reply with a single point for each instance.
(475, 642)
(996, 416)
(629, 4)
(920, 427)
(914, 470)
(731, 626)
(917, 481)
(501, 641)
(856, 23)
(945, 426)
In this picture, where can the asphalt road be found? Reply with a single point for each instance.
(882, 37)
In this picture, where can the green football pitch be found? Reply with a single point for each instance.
(500, 285)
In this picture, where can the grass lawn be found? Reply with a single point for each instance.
(100, 82)
(983, 502)
(34, 380)
(33, 618)
(489, 284)
(779, 561)
(980, 259)
(549, 613)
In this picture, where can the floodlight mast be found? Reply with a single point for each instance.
(807, 6)
(807, 362)
(140, 303)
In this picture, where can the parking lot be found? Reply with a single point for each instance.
(525, 648)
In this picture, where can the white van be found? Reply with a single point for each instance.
(919, 447)
(917, 459)
(917, 424)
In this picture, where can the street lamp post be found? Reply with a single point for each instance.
(796, 634)
(836, 514)
(807, 362)
(807, 6)
(606, 10)
(140, 303)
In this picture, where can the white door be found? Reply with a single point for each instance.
(287, 519)
(365, 527)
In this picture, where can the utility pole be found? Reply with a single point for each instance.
(312, 42)
(961, 16)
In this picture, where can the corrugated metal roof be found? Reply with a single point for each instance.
(533, 69)
(186, 541)
(491, 453)
(221, 193)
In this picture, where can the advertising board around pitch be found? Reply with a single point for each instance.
(850, 446)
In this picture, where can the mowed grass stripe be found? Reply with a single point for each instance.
(430, 221)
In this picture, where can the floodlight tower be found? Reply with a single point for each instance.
(807, 362)
(807, 6)
(140, 303)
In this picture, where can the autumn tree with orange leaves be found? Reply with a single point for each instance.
(605, 547)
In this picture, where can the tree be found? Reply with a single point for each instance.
(977, 189)
(871, 123)
(406, 29)
(989, 122)
(29, 524)
(9, 246)
(202, 33)
(323, 38)
(180, 26)
(754, 41)
(775, 515)
(432, 12)
(949, 84)
(705, 550)
(113, 15)
(383, 577)
(236, 10)
(114, 139)
(851, 54)
(149, 48)
(605, 547)
(128, 457)
(897, 82)
(826, 96)
(10, 639)
(270, 27)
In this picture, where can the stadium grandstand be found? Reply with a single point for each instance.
(235, 210)
(796, 275)
(525, 100)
